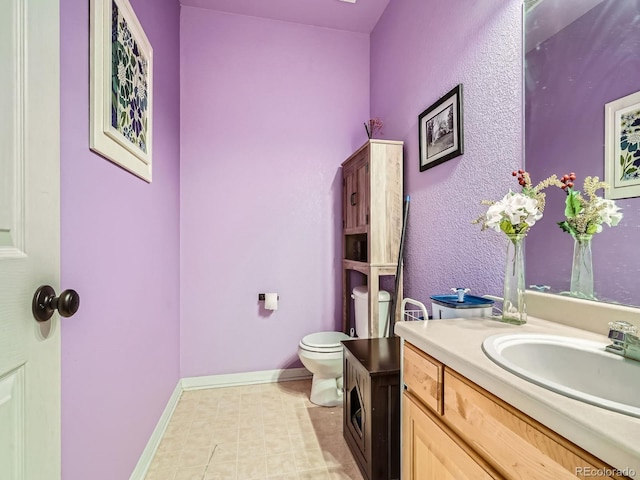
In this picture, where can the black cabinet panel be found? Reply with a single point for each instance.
(372, 405)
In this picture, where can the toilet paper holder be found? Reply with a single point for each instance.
(261, 297)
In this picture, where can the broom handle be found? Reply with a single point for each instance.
(394, 299)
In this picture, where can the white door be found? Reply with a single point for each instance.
(29, 238)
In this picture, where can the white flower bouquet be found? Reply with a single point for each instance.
(586, 213)
(517, 212)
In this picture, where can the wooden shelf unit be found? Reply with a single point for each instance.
(372, 221)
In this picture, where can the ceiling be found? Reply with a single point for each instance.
(360, 16)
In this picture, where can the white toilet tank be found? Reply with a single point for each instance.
(361, 301)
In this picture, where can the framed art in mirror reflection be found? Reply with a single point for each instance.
(622, 147)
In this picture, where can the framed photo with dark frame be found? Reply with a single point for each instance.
(440, 130)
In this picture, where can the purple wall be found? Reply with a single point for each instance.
(570, 77)
(120, 250)
(419, 51)
(269, 111)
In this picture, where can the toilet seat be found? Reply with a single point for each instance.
(323, 342)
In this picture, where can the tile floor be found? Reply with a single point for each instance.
(268, 431)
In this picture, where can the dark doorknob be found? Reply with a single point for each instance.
(45, 303)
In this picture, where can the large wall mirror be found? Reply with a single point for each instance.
(579, 56)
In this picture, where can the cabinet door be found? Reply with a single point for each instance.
(504, 434)
(355, 192)
(431, 451)
(362, 202)
(349, 198)
(356, 413)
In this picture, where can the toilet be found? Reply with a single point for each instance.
(321, 352)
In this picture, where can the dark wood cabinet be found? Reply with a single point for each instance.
(372, 405)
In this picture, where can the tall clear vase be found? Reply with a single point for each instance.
(514, 309)
(582, 268)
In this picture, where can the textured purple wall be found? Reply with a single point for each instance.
(120, 250)
(269, 112)
(419, 51)
(570, 77)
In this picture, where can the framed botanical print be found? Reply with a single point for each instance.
(622, 147)
(121, 87)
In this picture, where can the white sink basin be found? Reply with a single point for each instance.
(573, 367)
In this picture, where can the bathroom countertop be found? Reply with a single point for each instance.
(612, 437)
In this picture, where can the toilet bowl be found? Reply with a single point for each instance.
(321, 354)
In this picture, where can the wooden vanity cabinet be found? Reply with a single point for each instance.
(372, 207)
(475, 426)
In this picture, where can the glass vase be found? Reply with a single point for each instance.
(582, 268)
(514, 309)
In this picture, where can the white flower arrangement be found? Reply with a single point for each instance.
(585, 213)
(610, 214)
(517, 212)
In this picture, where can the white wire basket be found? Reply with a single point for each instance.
(413, 314)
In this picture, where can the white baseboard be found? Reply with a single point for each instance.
(248, 378)
(211, 381)
(152, 445)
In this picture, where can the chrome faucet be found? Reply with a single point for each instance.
(625, 340)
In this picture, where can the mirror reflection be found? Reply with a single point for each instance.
(579, 56)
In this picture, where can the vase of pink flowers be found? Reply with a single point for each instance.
(373, 127)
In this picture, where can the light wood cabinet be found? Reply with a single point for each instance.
(372, 206)
(431, 450)
(504, 442)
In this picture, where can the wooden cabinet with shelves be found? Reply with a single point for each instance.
(372, 220)
(500, 439)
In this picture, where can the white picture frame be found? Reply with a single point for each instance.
(622, 147)
(121, 87)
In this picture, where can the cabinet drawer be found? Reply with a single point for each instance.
(515, 444)
(423, 377)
